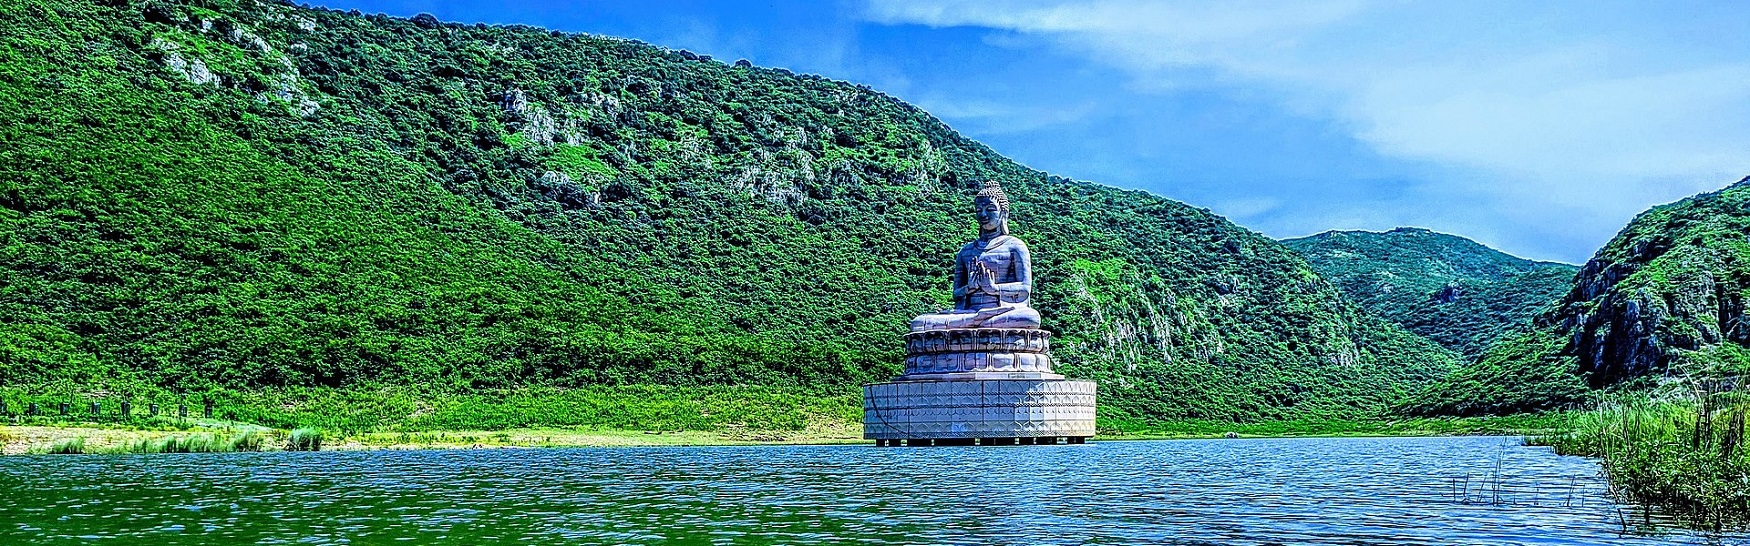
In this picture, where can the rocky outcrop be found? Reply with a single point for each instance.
(1670, 284)
(231, 57)
(193, 69)
(1449, 293)
(1664, 298)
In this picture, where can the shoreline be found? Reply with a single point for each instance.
(36, 439)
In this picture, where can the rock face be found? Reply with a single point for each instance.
(1666, 293)
(1449, 293)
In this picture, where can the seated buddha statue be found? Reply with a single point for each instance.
(993, 274)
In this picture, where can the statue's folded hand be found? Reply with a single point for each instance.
(981, 280)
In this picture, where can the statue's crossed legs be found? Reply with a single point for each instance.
(1001, 316)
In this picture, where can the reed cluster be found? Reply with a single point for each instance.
(195, 443)
(69, 446)
(1681, 449)
(304, 439)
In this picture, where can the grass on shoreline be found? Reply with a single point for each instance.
(68, 446)
(312, 419)
(630, 407)
(112, 441)
(304, 439)
(1510, 425)
(306, 419)
(1681, 450)
(248, 440)
(120, 440)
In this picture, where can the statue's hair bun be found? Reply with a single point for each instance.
(994, 191)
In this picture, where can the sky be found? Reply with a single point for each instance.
(1538, 128)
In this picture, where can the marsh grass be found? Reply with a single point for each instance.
(414, 410)
(304, 439)
(69, 446)
(248, 440)
(1509, 425)
(1680, 449)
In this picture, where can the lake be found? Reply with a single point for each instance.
(1277, 491)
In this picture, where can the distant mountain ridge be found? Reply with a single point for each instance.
(255, 195)
(1453, 290)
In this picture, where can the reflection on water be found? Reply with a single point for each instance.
(1300, 491)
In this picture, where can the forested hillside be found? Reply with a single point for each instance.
(1663, 299)
(1450, 289)
(260, 196)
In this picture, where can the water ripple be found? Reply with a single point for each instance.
(1306, 491)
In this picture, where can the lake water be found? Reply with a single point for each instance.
(1292, 491)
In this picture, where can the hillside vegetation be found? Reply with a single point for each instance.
(1450, 289)
(257, 196)
(1663, 301)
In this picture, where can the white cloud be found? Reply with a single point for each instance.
(993, 117)
(1243, 208)
(1560, 105)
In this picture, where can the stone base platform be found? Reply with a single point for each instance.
(994, 411)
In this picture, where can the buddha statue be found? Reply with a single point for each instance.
(993, 274)
(980, 373)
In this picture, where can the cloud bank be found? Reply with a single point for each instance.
(1549, 119)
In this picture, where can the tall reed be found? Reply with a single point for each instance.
(304, 439)
(69, 446)
(194, 443)
(1680, 448)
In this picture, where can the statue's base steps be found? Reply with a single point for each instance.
(978, 412)
(926, 442)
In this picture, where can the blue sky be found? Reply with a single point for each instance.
(1539, 128)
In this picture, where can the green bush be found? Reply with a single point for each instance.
(193, 443)
(248, 440)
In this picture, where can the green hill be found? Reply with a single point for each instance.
(1664, 298)
(261, 197)
(1450, 289)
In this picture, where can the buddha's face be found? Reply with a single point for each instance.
(991, 215)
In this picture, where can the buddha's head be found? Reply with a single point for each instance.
(991, 207)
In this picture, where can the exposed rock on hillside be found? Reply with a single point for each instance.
(1669, 289)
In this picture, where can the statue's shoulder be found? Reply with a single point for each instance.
(1000, 243)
